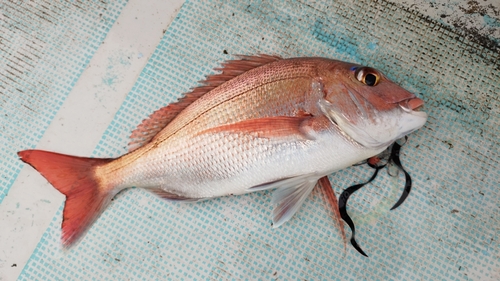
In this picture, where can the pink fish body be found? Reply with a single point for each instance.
(263, 123)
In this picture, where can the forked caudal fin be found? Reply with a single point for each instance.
(73, 176)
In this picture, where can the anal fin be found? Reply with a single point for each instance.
(174, 197)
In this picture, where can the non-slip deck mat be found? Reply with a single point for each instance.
(446, 230)
(44, 48)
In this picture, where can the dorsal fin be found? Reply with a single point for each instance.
(163, 116)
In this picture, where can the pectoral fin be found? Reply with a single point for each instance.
(288, 199)
(267, 127)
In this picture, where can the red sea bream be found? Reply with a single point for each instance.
(263, 123)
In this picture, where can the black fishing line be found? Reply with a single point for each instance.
(393, 158)
(343, 211)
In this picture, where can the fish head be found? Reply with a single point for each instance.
(367, 106)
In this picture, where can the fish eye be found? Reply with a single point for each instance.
(367, 76)
(370, 79)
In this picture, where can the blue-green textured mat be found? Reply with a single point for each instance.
(446, 230)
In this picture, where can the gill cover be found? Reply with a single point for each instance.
(377, 132)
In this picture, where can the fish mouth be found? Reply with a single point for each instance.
(413, 104)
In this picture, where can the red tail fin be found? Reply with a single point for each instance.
(75, 178)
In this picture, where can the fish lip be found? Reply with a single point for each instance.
(411, 105)
(419, 114)
(415, 112)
